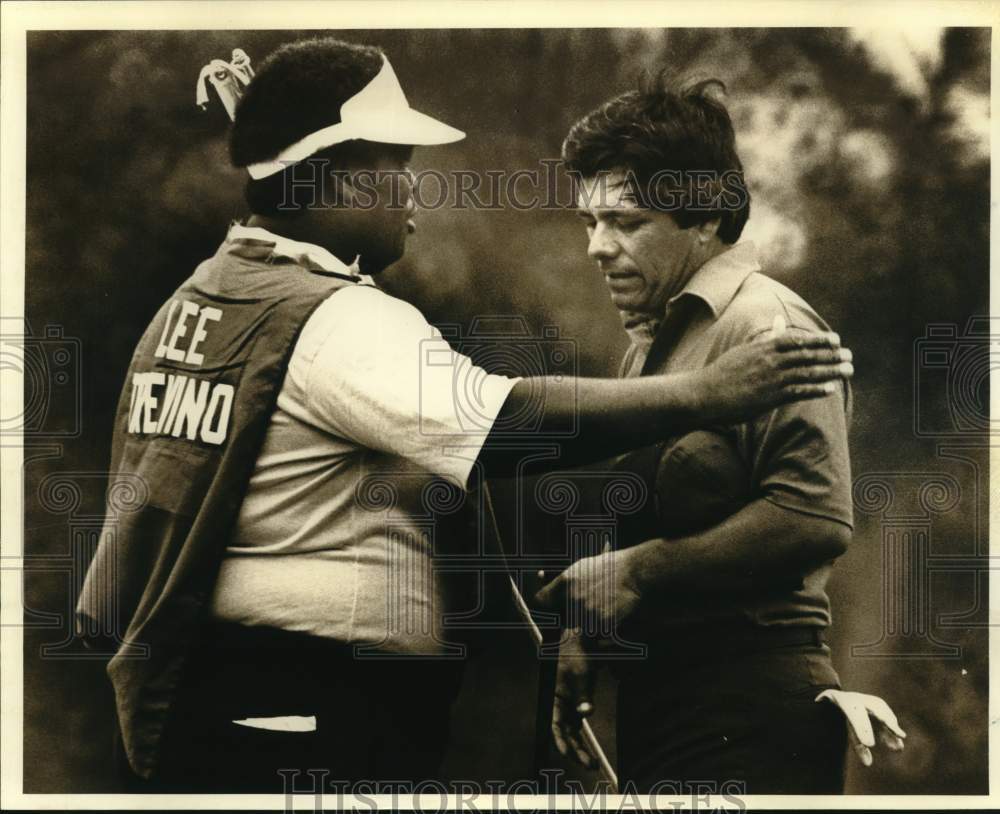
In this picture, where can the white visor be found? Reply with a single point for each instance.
(378, 112)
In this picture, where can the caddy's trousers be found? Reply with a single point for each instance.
(376, 719)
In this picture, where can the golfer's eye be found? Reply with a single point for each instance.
(630, 225)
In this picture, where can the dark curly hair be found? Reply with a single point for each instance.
(677, 142)
(296, 91)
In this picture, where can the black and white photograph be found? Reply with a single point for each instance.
(449, 406)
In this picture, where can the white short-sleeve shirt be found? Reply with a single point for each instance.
(334, 537)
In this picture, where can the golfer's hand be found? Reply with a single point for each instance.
(595, 593)
(867, 716)
(574, 699)
(776, 368)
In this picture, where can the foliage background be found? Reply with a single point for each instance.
(868, 159)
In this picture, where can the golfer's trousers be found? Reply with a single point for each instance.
(738, 720)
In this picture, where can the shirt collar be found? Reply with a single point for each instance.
(718, 280)
(308, 254)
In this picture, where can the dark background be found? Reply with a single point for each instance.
(868, 162)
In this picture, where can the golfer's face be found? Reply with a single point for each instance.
(645, 257)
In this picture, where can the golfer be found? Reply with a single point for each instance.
(727, 588)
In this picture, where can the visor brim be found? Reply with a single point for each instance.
(408, 126)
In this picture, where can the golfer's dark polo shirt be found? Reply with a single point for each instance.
(797, 454)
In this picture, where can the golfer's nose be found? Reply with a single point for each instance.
(603, 245)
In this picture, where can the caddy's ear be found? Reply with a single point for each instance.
(708, 229)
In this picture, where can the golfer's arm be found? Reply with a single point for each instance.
(761, 547)
(590, 419)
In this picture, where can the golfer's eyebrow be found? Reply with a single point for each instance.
(628, 196)
(612, 213)
(625, 204)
